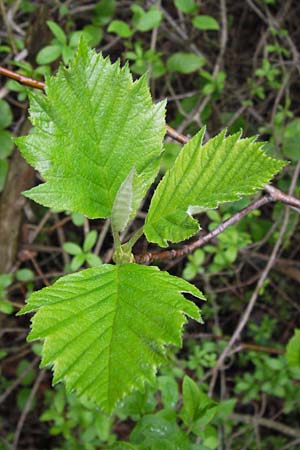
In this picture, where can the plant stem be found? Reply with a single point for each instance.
(135, 237)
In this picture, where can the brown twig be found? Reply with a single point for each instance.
(280, 196)
(268, 423)
(38, 270)
(189, 248)
(177, 136)
(26, 81)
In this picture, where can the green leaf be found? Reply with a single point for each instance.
(225, 408)
(49, 54)
(290, 140)
(171, 152)
(210, 437)
(203, 176)
(160, 431)
(57, 31)
(185, 62)
(198, 409)
(78, 261)
(103, 11)
(5, 280)
(24, 275)
(120, 28)
(90, 240)
(6, 307)
(6, 144)
(186, 6)
(106, 328)
(93, 260)
(93, 35)
(5, 114)
(91, 128)
(293, 350)
(191, 400)
(122, 207)
(3, 173)
(72, 248)
(169, 391)
(77, 219)
(205, 23)
(124, 446)
(189, 272)
(149, 20)
(138, 403)
(67, 54)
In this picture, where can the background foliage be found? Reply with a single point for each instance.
(221, 64)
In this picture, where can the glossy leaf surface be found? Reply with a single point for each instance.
(203, 176)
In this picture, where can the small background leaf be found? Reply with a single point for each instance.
(205, 23)
(48, 54)
(90, 240)
(6, 144)
(185, 62)
(186, 6)
(291, 139)
(5, 114)
(57, 31)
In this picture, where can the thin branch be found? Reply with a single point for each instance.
(26, 81)
(280, 196)
(268, 423)
(177, 136)
(189, 248)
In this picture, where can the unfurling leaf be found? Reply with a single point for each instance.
(93, 125)
(203, 176)
(122, 207)
(106, 328)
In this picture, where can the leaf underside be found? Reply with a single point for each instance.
(105, 329)
(203, 176)
(90, 129)
(122, 206)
